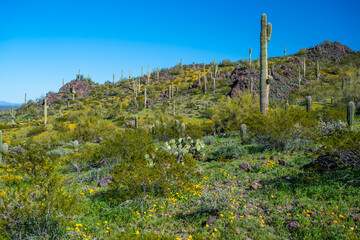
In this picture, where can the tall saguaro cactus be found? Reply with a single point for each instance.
(350, 114)
(317, 70)
(308, 103)
(265, 37)
(25, 98)
(148, 75)
(136, 122)
(304, 67)
(204, 79)
(62, 82)
(45, 112)
(250, 51)
(12, 115)
(113, 78)
(299, 77)
(122, 74)
(173, 108)
(285, 51)
(342, 83)
(1, 143)
(183, 129)
(145, 98)
(158, 74)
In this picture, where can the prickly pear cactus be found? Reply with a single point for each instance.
(183, 146)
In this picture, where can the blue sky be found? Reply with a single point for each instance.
(42, 42)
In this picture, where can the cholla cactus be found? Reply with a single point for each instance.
(183, 146)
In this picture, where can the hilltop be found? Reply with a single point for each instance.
(168, 155)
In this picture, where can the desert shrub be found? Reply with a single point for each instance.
(226, 63)
(209, 140)
(328, 128)
(344, 146)
(229, 150)
(281, 129)
(35, 131)
(90, 128)
(36, 205)
(142, 169)
(61, 152)
(230, 113)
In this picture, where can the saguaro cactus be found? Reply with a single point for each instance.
(251, 84)
(5, 148)
(142, 71)
(243, 131)
(45, 112)
(265, 37)
(317, 70)
(287, 105)
(148, 75)
(1, 143)
(199, 77)
(299, 77)
(177, 123)
(181, 64)
(183, 129)
(136, 122)
(342, 83)
(145, 98)
(129, 74)
(304, 67)
(285, 51)
(214, 84)
(12, 115)
(204, 79)
(122, 74)
(157, 123)
(76, 145)
(73, 93)
(62, 82)
(158, 74)
(308, 103)
(25, 98)
(173, 108)
(250, 51)
(350, 114)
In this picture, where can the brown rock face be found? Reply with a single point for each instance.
(334, 51)
(82, 89)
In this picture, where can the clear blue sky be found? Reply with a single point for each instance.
(42, 42)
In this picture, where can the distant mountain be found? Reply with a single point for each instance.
(4, 104)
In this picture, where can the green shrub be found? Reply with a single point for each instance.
(35, 131)
(231, 113)
(229, 150)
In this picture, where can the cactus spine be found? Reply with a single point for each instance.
(265, 37)
(250, 51)
(204, 79)
(317, 70)
(136, 122)
(350, 114)
(76, 145)
(45, 112)
(308, 103)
